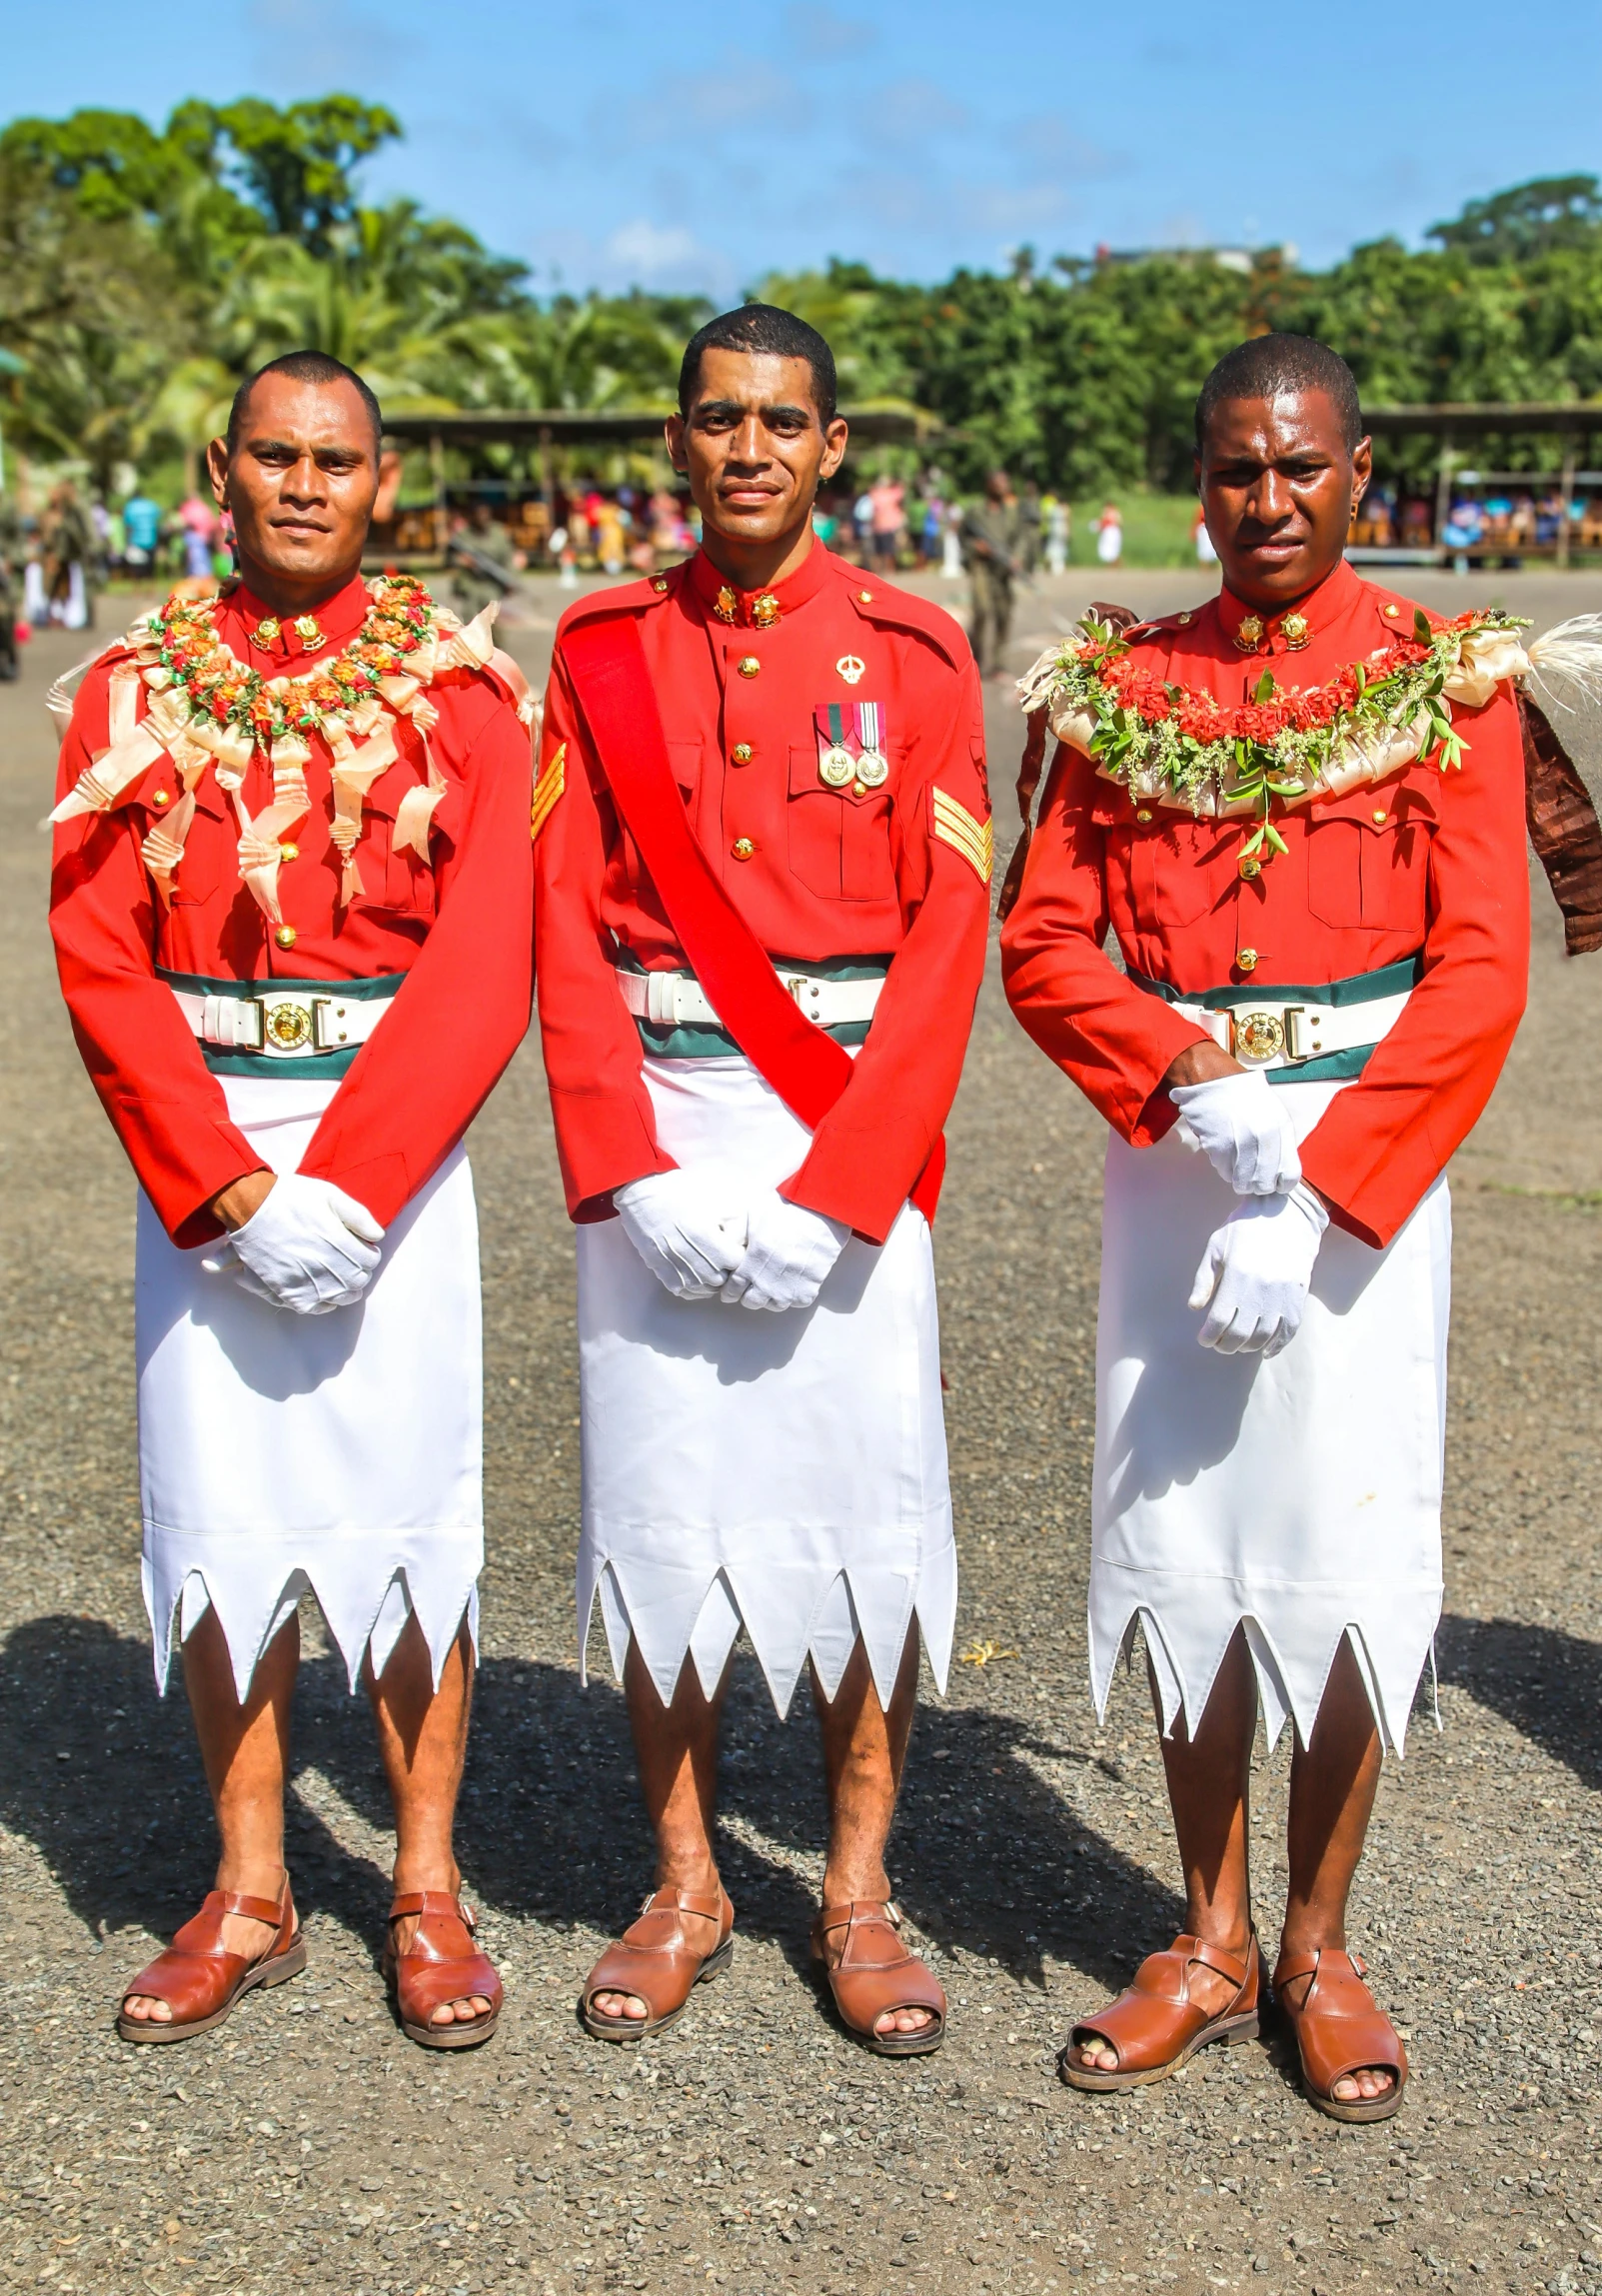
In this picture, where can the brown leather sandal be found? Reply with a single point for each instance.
(875, 1973)
(1339, 2031)
(200, 1981)
(1155, 2027)
(659, 1962)
(441, 1964)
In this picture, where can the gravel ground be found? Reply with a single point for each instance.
(308, 2145)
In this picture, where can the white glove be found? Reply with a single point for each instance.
(687, 1232)
(1241, 1127)
(789, 1252)
(1254, 1278)
(308, 1246)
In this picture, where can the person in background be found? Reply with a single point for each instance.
(11, 560)
(1108, 532)
(888, 498)
(141, 527)
(66, 551)
(484, 562)
(1058, 518)
(991, 555)
(1032, 527)
(611, 545)
(197, 525)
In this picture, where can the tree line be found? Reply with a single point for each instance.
(143, 271)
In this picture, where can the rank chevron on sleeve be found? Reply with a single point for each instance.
(549, 786)
(974, 839)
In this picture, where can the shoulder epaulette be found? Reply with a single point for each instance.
(886, 607)
(1397, 613)
(621, 598)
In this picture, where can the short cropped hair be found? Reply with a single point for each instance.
(763, 327)
(305, 367)
(1270, 367)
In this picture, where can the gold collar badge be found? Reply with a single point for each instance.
(725, 605)
(270, 630)
(1249, 634)
(309, 630)
(1296, 631)
(765, 610)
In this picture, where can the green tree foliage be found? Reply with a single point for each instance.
(144, 271)
(1531, 219)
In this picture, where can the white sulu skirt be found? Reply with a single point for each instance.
(785, 1472)
(1300, 1497)
(339, 1455)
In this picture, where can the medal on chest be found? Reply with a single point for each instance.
(850, 746)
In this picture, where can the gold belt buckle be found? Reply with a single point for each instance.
(1260, 1036)
(288, 1021)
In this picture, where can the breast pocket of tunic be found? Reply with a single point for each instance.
(396, 882)
(1178, 868)
(211, 850)
(839, 844)
(1367, 865)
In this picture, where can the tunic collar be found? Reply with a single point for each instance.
(1297, 625)
(284, 642)
(757, 608)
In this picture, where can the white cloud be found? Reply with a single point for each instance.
(824, 34)
(648, 254)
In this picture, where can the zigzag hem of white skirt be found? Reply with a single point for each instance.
(821, 1619)
(1292, 1633)
(367, 1585)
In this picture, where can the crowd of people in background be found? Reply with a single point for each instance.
(56, 556)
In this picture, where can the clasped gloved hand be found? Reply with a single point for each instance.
(1259, 1268)
(789, 1252)
(685, 1228)
(308, 1248)
(1241, 1127)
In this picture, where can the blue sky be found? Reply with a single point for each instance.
(607, 142)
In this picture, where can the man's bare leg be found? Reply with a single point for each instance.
(1209, 1779)
(245, 1749)
(1332, 1786)
(675, 1750)
(864, 1751)
(423, 1739)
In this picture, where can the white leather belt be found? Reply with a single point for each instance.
(1265, 1033)
(283, 1024)
(677, 1000)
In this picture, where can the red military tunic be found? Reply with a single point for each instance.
(898, 871)
(1423, 861)
(457, 926)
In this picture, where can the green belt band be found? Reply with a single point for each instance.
(235, 1061)
(1359, 989)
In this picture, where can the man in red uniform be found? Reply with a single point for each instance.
(1323, 990)
(290, 907)
(762, 847)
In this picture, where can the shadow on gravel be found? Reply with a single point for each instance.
(103, 1778)
(1548, 1685)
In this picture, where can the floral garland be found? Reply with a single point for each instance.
(209, 709)
(1182, 747)
(400, 619)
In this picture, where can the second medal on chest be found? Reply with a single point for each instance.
(850, 746)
